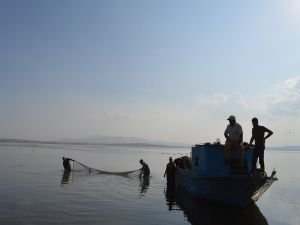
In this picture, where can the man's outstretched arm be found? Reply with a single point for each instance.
(269, 133)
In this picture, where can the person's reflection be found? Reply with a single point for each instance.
(170, 196)
(65, 177)
(144, 185)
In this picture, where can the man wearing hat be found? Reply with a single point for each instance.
(234, 139)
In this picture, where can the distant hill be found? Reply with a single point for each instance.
(101, 140)
(105, 139)
(121, 140)
(285, 148)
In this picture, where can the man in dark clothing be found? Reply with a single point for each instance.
(145, 171)
(170, 171)
(66, 163)
(258, 134)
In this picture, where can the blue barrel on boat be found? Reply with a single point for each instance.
(208, 160)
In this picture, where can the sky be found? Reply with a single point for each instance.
(161, 70)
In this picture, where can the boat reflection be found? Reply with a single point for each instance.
(203, 213)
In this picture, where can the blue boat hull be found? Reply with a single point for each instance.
(235, 190)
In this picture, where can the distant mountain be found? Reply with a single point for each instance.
(106, 139)
(122, 140)
(285, 148)
(102, 140)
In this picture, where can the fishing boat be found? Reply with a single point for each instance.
(206, 176)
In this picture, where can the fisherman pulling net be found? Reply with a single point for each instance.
(78, 166)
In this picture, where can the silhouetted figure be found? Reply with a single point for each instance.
(66, 163)
(187, 163)
(145, 171)
(258, 135)
(179, 163)
(170, 172)
(234, 139)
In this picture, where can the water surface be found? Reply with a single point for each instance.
(35, 190)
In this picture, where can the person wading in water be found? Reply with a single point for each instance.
(66, 163)
(145, 171)
(170, 172)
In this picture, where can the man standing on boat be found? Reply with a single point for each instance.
(258, 134)
(234, 139)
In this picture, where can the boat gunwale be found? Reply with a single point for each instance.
(233, 176)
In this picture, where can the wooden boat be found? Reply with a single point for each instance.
(206, 176)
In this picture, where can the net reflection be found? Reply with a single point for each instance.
(203, 213)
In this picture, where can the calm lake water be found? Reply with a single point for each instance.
(34, 189)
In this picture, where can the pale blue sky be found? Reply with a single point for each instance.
(167, 70)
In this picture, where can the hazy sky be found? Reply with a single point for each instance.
(166, 70)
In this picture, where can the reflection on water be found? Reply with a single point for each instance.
(170, 194)
(65, 177)
(203, 213)
(144, 185)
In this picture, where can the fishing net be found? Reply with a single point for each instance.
(78, 166)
